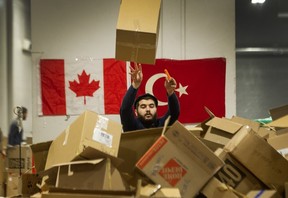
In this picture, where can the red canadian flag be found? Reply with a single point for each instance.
(70, 87)
(200, 84)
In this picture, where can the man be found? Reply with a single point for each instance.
(145, 106)
(15, 136)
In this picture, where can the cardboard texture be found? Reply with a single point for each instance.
(221, 130)
(216, 189)
(3, 174)
(281, 122)
(254, 125)
(30, 184)
(179, 159)
(13, 159)
(100, 174)
(76, 193)
(40, 153)
(137, 30)
(12, 187)
(88, 134)
(278, 112)
(133, 145)
(236, 175)
(260, 158)
(280, 143)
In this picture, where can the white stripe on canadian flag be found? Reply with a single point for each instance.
(69, 87)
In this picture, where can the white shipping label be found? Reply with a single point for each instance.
(102, 137)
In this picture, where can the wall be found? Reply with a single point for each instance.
(189, 29)
(16, 66)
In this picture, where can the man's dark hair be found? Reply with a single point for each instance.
(145, 96)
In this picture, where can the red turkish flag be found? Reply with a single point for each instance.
(200, 83)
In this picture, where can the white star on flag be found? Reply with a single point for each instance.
(182, 90)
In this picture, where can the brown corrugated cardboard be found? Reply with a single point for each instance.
(88, 134)
(137, 30)
(254, 125)
(40, 153)
(281, 122)
(30, 184)
(133, 146)
(179, 159)
(236, 175)
(75, 193)
(259, 157)
(215, 189)
(280, 143)
(99, 174)
(278, 112)
(14, 161)
(221, 130)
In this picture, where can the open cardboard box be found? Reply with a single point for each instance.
(137, 30)
(40, 153)
(221, 130)
(179, 159)
(236, 175)
(280, 143)
(133, 145)
(98, 174)
(90, 132)
(13, 162)
(259, 157)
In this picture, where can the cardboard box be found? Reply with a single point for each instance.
(133, 145)
(280, 143)
(221, 130)
(30, 184)
(75, 193)
(99, 174)
(179, 159)
(40, 153)
(12, 187)
(278, 112)
(3, 175)
(236, 175)
(254, 125)
(88, 134)
(281, 122)
(216, 189)
(259, 157)
(13, 159)
(137, 30)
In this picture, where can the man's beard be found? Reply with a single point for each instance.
(147, 122)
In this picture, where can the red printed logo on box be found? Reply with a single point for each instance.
(172, 172)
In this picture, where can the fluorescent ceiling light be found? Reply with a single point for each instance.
(257, 1)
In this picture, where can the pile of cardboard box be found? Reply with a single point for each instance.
(226, 158)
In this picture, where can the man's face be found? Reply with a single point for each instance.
(146, 110)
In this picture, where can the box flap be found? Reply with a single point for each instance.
(224, 125)
(280, 122)
(278, 112)
(40, 152)
(94, 192)
(254, 125)
(140, 15)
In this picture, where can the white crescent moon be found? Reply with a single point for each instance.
(149, 86)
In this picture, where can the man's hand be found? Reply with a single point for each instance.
(170, 85)
(136, 75)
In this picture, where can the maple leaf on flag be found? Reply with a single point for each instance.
(84, 88)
